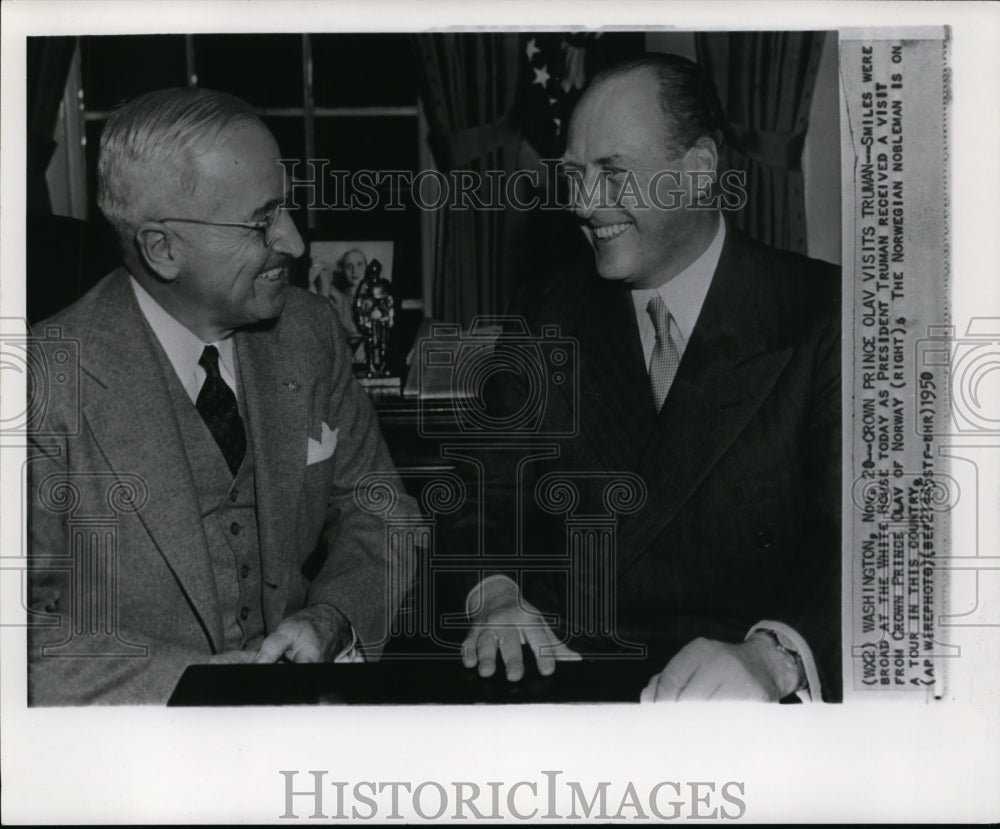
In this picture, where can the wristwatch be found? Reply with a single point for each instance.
(791, 655)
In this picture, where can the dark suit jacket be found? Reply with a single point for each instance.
(741, 467)
(116, 432)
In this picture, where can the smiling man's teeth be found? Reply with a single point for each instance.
(272, 275)
(610, 231)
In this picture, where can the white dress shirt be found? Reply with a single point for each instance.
(683, 295)
(184, 348)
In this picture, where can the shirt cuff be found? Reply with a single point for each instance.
(790, 638)
(474, 599)
(352, 653)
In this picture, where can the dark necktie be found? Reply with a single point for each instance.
(217, 407)
(665, 358)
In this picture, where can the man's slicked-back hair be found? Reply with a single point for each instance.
(687, 95)
(148, 151)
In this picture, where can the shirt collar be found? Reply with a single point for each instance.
(685, 293)
(182, 346)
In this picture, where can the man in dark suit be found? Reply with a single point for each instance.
(709, 386)
(194, 502)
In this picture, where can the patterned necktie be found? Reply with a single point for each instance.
(665, 358)
(217, 407)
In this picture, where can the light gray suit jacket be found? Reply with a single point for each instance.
(107, 471)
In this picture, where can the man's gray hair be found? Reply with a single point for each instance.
(148, 150)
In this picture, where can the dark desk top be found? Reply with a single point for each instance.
(407, 682)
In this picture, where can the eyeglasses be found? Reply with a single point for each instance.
(267, 226)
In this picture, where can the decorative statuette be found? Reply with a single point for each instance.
(373, 315)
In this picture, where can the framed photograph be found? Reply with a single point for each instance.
(336, 269)
(340, 266)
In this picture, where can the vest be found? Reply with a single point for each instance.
(228, 510)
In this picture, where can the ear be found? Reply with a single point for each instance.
(158, 250)
(703, 161)
(705, 154)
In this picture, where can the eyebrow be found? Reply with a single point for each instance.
(615, 159)
(268, 206)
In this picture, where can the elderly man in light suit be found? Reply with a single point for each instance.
(221, 402)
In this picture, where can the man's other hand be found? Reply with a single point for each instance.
(706, 669)
(503, 624)
(314, 634)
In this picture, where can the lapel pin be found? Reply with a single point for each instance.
(291, 385)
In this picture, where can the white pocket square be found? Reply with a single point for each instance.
(320, 450)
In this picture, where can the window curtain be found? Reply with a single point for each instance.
(468, 84)
(49, 59)
(766, 81)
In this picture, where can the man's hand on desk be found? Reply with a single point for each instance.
(314, 634)
(504, 622)
(707, 669)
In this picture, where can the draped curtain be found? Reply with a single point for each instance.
(468, 84)
(49, 59)
(766, 82)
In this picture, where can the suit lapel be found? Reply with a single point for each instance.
(128, 409)
(616, 408)
(729, 368)
(276, 392)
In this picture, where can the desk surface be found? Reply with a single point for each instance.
(407, 682)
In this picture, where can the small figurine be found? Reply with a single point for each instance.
(373, 315)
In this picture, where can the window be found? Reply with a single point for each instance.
(348, 98)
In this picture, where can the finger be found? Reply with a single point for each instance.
(273, 647)
(649, 692)
(543, 642)
(563, 653)
(469, 649)
(486, 652)
(732, 691)
(303, 644)
(305, 649)
(703, 685)
(679, 672)
(513, 656)
(706, 680)
(670, 682)
(740, 688)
